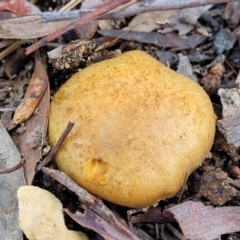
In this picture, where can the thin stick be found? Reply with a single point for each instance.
(10, 48)
(175, 232)
(70, 5)
(54, 150)
(14, 168)
(183, 187)
(79, 22)
(136, 8)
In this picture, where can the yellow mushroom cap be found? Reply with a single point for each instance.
(139, 128)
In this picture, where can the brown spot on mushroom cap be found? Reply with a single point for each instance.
(140, 127)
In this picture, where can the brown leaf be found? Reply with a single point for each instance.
(201, 222)
(30, 143)
(91, 220)
(151, 215)
(156, 39)
(34, 93)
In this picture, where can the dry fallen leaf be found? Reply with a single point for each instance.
(9, 184)
(41, 216)
(29, 27)
(149, 21)
(168, 21)
(31, 142)
(156, 39)
(153, 214)
(201, 222)
(34, 93)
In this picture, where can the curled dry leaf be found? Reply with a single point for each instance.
(168, 21)
(212, 80)
(201, 222)
(34, 93)
(31, 142)
(41, 216)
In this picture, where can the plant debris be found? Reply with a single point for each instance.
(201, 222)
(215, 186)
(196, 38)
(36, 90)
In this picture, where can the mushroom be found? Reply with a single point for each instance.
(140, 127)
(41, 216)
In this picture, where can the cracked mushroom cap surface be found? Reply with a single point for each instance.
(140, 127)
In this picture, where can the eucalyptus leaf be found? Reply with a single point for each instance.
(9, 184)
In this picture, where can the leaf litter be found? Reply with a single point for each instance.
(164, 37)
(9, 184)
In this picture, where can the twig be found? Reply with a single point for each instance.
(79, 22)
(10, 48)
(54, 150)
(234, 183)
(183, 187)
(155, 5)
(14, 168)
(175, 232)
(70, 5)
(139, 7)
